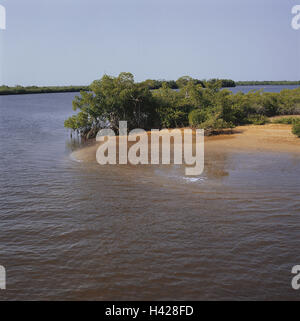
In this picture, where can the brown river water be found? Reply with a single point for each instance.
(80, 231)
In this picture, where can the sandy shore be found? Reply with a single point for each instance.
(266, 138)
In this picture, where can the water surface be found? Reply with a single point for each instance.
(265, 88)
(71, 230)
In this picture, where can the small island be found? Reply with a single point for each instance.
(197, 104)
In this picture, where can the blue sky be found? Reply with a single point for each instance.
(58, 42)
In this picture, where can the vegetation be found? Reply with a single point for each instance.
(226, 83)
(156, 84)
(18, 90)
(258, 119)
(265, 83)
(150, 84)
(112, 99)
(296, 129)
(183, 81)
(286, 120)
(295, 121)
(197, 116)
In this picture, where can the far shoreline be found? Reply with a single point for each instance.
(33, 90)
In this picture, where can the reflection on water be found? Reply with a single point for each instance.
(74, 142)
(75, 230)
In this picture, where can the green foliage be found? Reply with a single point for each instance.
(172, 107)
(224, 83)
(197, 117)
(257, 119)
(214, 107)
(149, 83)
(113, 99)
(214, 123)
(156, 84)
(286, 120)
(296, 129)
(228, 83)
(198, 104)
(184, 81)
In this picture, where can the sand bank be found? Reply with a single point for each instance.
(266, 138)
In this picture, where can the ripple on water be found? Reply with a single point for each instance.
(82, 231)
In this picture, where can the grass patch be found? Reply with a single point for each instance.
(296, 129)
(257, 120)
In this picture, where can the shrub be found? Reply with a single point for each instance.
(257, 119)
(296, 129)
(214, 123)
(205, 120)
(287, 120)
(196, 117)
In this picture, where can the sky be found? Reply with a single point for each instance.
(73, 42)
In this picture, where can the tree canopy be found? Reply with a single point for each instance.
(114, 99)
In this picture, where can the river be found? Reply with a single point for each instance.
(79, 231)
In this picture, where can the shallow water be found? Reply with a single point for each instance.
(75, 230)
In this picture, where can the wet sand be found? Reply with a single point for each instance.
(267, 138)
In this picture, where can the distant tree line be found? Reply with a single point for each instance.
(19, 90)
(113, 99)
(182, 81)
(150, 83)
(265, 83)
